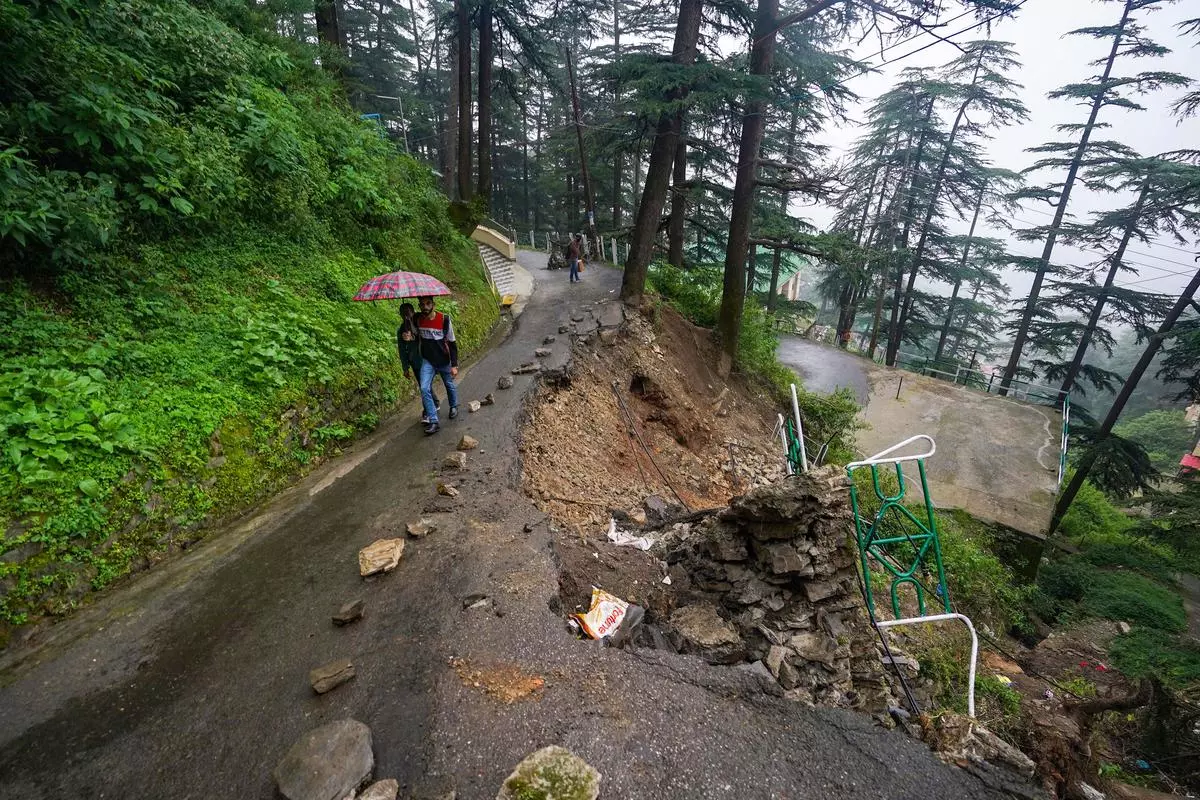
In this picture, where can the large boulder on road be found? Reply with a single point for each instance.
(326, 763)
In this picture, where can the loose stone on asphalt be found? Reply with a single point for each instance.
(421, 528)
(505, 382)
(330, 676)
(552, 773)
(350, 612)
(381, 555)
(326, 763)
(456, 460)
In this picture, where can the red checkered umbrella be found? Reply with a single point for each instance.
(399, 285)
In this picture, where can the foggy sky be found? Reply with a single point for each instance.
(1049, 60)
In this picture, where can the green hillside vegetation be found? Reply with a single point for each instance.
(187, 205)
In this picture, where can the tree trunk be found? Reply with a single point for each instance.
(962, 266)
(484, 134)
(619, 156)
(588, 198)
(662, 155)
(330, 34)
(1098, 311)
(525, 165)
(931, 207)
(678, 202)
(537, 156)
(1014, 359)
(751, 268)
(449, 159)
(1152, 347)
(733, 293)
(893, 345)
(773, 289)
(463, 18)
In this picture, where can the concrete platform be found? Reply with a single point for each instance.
(996, 458)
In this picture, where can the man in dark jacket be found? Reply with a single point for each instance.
(439, 356)
(408, 345)
(574, 251)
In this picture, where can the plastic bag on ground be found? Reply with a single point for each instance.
(626, 539)
(605, 615)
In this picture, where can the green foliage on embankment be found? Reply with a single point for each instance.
(186, 207)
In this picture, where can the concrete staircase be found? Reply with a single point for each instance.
(499, 266)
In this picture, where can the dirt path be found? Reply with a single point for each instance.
(192, 680)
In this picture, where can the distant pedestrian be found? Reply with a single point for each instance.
(408, 345)
(574, 251)
(439, 356)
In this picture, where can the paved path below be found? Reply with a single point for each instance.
(996, 458)
(825, 369)
(191, 681)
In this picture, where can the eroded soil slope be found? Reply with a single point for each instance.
(640, 412)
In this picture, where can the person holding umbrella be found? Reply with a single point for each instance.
(434, 336)
(408, 345)
(439, 356)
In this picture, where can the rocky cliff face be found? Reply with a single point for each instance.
(772, 579)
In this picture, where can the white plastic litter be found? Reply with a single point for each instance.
(625, 538)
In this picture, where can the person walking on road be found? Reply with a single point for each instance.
(574, 250)
(439, 356)
(408, 345)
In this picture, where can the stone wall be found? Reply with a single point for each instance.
(772, 579)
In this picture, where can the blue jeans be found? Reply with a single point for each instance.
(574, 269)
(427, 372)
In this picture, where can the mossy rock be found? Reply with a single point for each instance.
(552, 773)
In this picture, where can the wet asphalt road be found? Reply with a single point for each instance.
(824, 368)
(192, 680)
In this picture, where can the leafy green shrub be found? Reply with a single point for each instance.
(1074, 586)
(1133, 598)
(1149, 652)
(1092, 514)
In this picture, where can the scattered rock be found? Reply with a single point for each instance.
(326, 763)
(552, 773)
(528, 527)
(330, 676)
(659, 511)
(505, 382)
(775, 657)
(381, 555)
(488, 400)
(542, 352)
(475, 601)
(550, 339)
(456, 460)
(421, 528)
(608, 337)
(576, 316)
(1124, 627)
(351, 612)
(381, 790)
(447, 490)
(527, 368)
(468, 442)
(564, 328)
(702, 631)
(958, 738)
(474, 406)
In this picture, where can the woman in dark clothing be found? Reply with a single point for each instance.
(408, 345)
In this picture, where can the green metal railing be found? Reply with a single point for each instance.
(894, 538)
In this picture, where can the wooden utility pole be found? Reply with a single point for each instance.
(588, 199)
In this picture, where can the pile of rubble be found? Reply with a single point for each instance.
(772, 579)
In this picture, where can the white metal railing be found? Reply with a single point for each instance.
(886, 457)
(893, 623)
